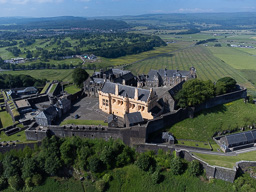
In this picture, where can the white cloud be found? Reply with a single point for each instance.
(194, 10)
(86, 7)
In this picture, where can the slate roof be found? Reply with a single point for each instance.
(111, 118)
(240, 138)
(48, 113)
(109, 87)
(134, 118)
(126, 77)
(167, 135)
(155, 110)
(167, 73)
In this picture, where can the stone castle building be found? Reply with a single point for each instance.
(121, 99)
(164, 77)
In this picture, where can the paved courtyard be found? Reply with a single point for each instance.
(87, 109)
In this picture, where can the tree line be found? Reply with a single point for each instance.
(93, 158)
(14, 81)
(195, 91)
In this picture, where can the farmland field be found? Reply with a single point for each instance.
(49, 74)
(207, 65)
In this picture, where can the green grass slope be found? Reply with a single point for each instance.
(223, 117)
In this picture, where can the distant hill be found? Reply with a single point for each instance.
(65, 22)
(244, 20)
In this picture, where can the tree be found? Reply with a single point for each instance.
(15, 182)
(3, 183)
(37, 179)
(194, 92)
(225, 85)
(144, 162)
(29, 168)
(79, 76)
(194, 168)
(176, 166)
(11, 165)
(95, 164)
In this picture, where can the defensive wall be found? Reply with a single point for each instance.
(169, 119)
(215, 172)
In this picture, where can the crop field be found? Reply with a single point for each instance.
(205, 124)
(207, 66)
(236, 58)
(141, 56)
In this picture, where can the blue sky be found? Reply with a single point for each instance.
(91, 8)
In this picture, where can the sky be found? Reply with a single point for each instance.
(92, 8)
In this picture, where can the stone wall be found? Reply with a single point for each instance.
(222, 99)
(4, 149)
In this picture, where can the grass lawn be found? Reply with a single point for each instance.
(227, 161)
(14, 137)
(194, 144)
(71, 89)
(83, 122)
(53, 87)
(223, 117)
(6, 119)
(45, 87)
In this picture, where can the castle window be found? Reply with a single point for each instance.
(122, 102)
(139, 107)
(142, 108)
(118, 102)
(114, 100)
(133, 106)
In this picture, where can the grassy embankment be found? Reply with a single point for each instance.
(227, 161)
(223, 117)
(5, 119)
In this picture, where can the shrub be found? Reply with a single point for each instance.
(194, 168)
(28, 182)
(37, 179)
(15, 182)
(156, 177)
(144, 162)
(100, 185)
(176, 166)
(3, 183)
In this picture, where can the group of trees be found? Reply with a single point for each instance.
(195, 91)
(95, 158)
(110, 45)
(29, 167)
(79, 76)
(13, 81)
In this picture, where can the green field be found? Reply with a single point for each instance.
(5, 119)
(49, 74)
(223, 117)
(206, 64)
(227, 161)
(83, 122)
(234, 57)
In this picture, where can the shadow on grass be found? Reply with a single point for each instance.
(214, 110)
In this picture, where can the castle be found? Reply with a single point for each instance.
(121, 99)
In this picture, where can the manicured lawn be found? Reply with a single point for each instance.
(53, 87)
(83, 122)
(6, 119)
(71, 89)
(223, 117)
(17, 136)
(227, 161)
(45, 87)
(194, 144)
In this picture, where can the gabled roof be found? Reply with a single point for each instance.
(134, 118)
(123, 90)
(126, 77)
(48, 113)
(244, 137)
(166, 73)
